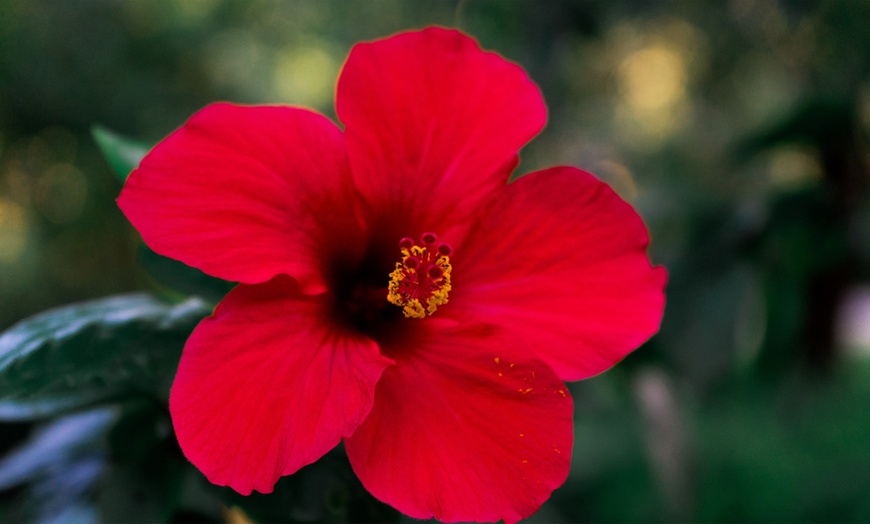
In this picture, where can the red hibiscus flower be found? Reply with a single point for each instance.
(394, 291)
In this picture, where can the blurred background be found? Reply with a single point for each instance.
(739, 129)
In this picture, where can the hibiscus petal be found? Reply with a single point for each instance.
(247, 193)
(465, 428)
(267, 385)
(432, 120)
(559, 260)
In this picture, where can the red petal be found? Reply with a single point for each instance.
(560, 261)
(266, 385)
(432, 121)
(247, 193)
(465, 428)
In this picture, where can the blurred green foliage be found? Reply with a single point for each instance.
(739, 130)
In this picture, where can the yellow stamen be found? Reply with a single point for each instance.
(421, 281)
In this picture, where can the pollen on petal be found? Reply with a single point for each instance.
(421, 281)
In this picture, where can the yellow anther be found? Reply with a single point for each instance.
(413, 309)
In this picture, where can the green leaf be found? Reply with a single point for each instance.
(143, 481)
(57, 469)
(181, 277)
(123, 154)
(325, 491)
(66, 358)
(60, 442)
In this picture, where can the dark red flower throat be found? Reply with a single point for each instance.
(367, 296)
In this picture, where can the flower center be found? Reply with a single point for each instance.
(421, 281)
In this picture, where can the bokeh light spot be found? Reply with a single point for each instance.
(305, 75)
(853, 322)
(14, 230)
(655, 64)
(193, 12)
(618, 176)
(652, 78)
(234, 59)
(793, 167)
(60, 193)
